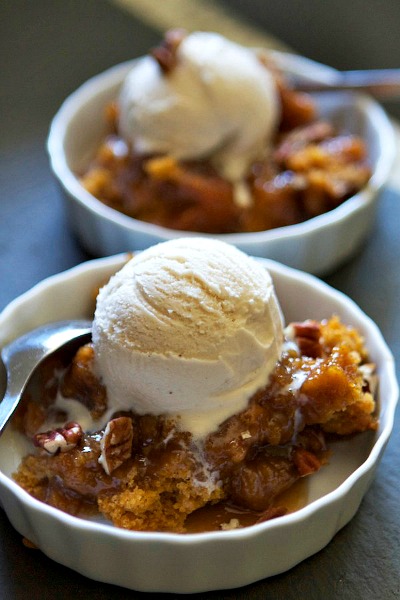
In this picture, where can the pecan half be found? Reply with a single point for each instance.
(307, 336)
(116, 443)
(61, 439)
(165, 53)
(306, 462)
(370, 378)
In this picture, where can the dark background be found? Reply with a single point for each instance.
(356, 34)
(47, 49)
(345, 34)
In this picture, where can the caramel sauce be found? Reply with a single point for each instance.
(311, 170)
(213, 517)
(252, 469)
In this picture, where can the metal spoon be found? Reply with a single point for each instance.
(309, 75)
(23, 356)
(380, 83)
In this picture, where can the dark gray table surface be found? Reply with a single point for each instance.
(49, 47)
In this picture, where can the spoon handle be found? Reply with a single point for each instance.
(381, 83)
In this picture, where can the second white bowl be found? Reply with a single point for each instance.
(317, 245)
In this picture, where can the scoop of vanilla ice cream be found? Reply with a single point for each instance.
(218, 102)
(190, 328)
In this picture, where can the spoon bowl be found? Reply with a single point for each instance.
(23, 356)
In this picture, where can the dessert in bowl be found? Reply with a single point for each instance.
(206, 136)
(167, 552)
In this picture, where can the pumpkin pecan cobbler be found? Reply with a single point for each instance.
(193, 408)
(208, 136)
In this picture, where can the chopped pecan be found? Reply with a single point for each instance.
(232, 524)
(300, 137)
(307, 335)
(116, 443)
(370, 378)
(306, 462)
(165, 53)
(61, 439)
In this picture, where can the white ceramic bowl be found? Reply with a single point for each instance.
(161, 562)
(317, 245)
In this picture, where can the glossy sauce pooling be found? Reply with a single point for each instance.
(251, 469)
(227, 516)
